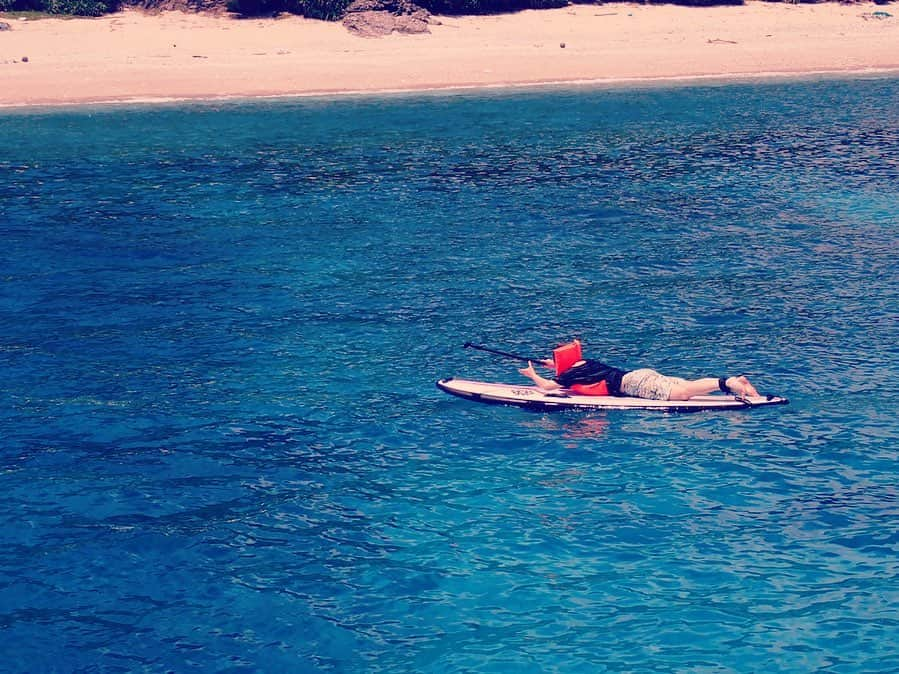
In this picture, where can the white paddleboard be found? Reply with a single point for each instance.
(532, 397)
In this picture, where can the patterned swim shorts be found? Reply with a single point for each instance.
(649, 384)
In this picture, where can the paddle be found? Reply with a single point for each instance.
(469, 345)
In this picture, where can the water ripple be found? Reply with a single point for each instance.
(223, 450)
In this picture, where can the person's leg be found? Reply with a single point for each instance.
(687, 389)
(646, 383)
(684, 390)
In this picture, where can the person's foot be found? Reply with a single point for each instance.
(740, 386)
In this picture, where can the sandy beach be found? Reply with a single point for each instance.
(131, 56)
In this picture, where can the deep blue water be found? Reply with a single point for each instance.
(221, 448)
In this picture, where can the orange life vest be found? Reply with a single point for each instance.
(600, 388)
(566, 356)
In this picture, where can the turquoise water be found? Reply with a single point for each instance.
(222, 448)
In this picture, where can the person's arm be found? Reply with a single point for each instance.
(541, 382)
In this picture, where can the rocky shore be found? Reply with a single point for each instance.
(376, 18)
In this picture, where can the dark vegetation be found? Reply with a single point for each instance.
(316, 9)
(329, 10)
(74, 7)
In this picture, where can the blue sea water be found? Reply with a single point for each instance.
(221, 447)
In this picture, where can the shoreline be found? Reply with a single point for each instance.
(723, 79)
(135, 58)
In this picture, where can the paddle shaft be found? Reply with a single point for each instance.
(525, 359)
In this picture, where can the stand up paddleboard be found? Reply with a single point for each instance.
(532, 397)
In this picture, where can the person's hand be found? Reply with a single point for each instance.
(529, 370)
(548, 362)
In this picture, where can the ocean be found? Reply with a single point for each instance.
(221, 446)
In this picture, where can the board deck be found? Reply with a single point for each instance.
(532, 397)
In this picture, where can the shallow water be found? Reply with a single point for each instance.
(222, 449)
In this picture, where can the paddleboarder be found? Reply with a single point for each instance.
(588, 376)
